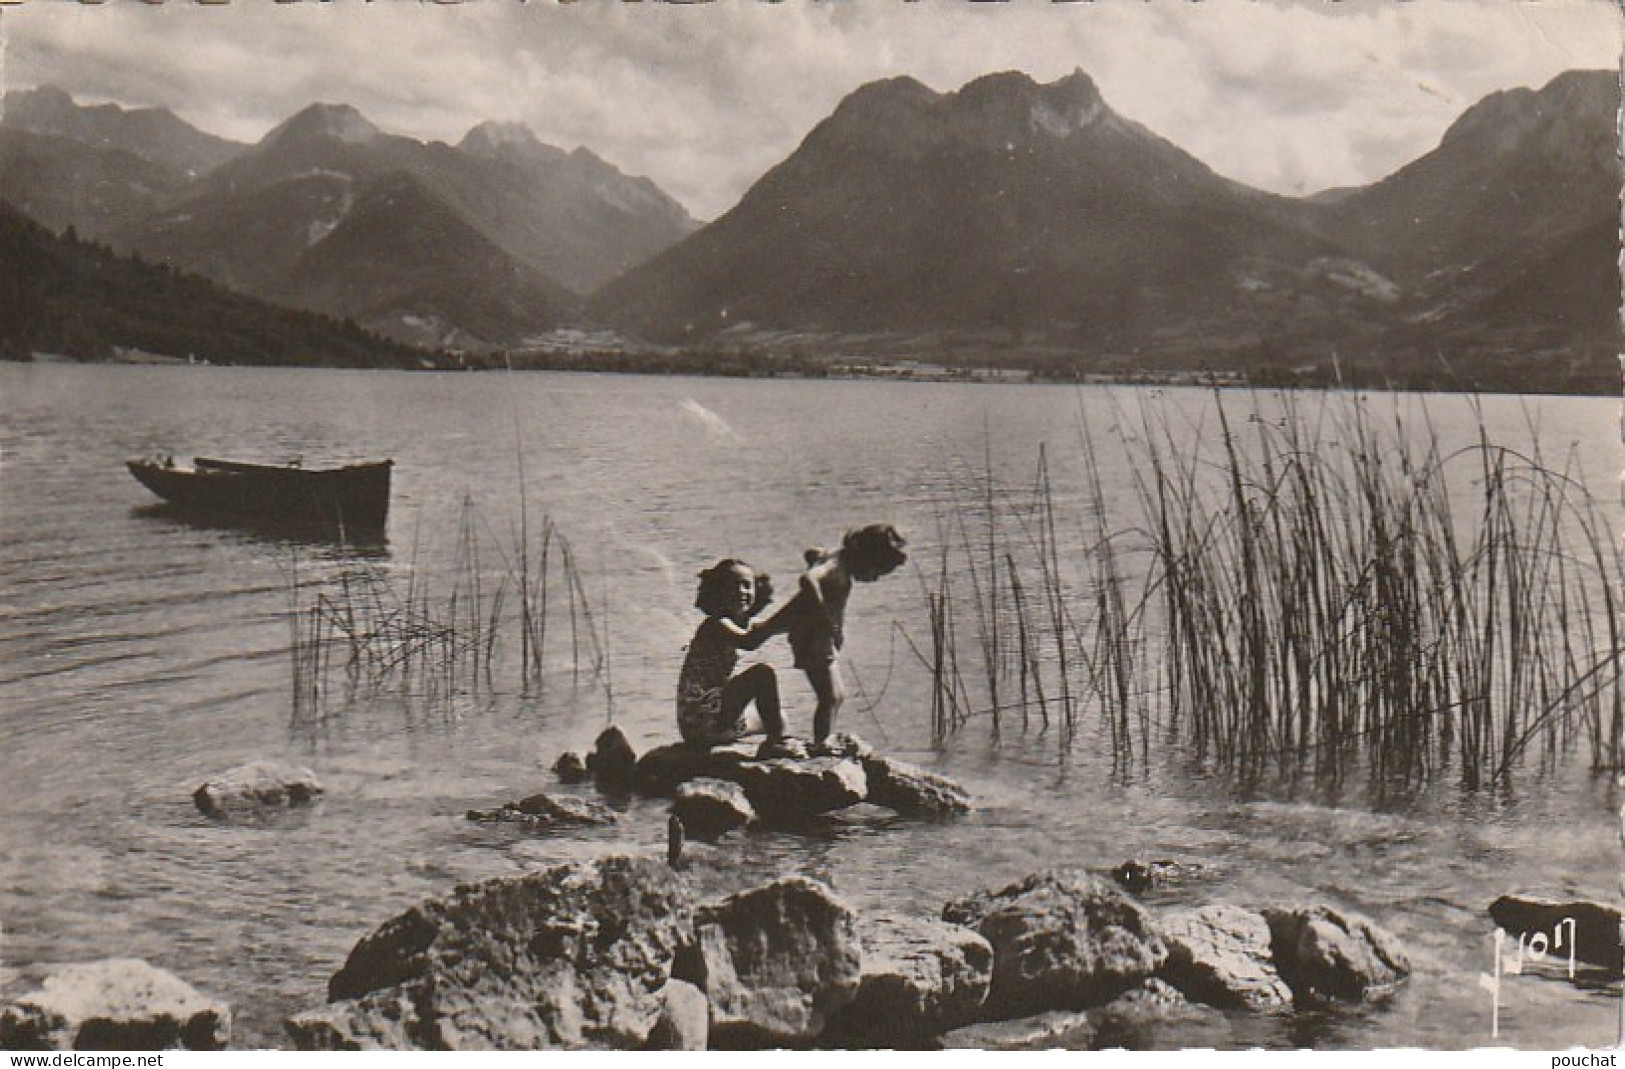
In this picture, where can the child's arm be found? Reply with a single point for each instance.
(757, 632)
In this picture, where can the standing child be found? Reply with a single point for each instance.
(711, 699)
(816, 617)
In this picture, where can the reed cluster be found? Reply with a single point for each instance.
(1316, 591)
(432, 633)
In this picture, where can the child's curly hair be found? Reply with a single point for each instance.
(716, 588)
(876, 549)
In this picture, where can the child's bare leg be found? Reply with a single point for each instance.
(758, 684)
(827, 687)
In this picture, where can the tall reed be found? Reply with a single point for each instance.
(1317, 592)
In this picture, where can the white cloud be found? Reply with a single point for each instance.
(703, 98)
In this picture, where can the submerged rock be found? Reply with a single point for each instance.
(920, 977)
(117, 1004)
(912, 790)
(1595, 932)
(1061, 940)
(612, 762)
(1069, 1029)
(575, 956)
(710, 808)
(1328, 956)
(257, 789)
(775, 962)
(1137, 875)
(541, 811)
(1220, 955)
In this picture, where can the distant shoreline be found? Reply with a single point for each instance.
(743, 367)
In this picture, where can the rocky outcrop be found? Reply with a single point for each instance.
(1329, 956)
(710, 808)
(543, 812)
(1220, 954)
(612, 762)
(775, 962)
(257, 790)
(912, 790)
(576, 956)
(1595, 932)
(921, 977)
(117, 1004)
(1061, 940)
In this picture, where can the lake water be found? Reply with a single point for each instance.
(139, 654)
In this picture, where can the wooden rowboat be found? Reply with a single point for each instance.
(354, 498)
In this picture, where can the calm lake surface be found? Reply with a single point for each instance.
(139, 654)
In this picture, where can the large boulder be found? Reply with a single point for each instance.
(612, 762)
(1329, 956)
(256, 790)
(1220, 954)
(117, 1004)
(1061, 940)
(544, 812)
(775, 961)
(1594, 933)
(912, 790)
(575, 956)
(921, 977)
(789, 788)
(710, 808)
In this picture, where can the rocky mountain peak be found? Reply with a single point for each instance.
(331, 122)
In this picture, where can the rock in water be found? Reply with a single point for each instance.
(257, 789)
(1220, 955)
(775, 962)
(710, 808)
(570, 768)
(1595, 933)
(118, 1004)
(663, 769)
(1328, 956)
(613, 763)
(542, 812)
(1137, 875)
(921, 977)
(575, 956)
(791, 789)
(1061, 940)
(912, 790)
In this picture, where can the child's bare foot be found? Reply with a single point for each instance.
(782, 747)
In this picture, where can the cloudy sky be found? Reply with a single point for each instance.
(1289, 95)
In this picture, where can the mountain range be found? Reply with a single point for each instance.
(1007, 222)
(1017, 221)
(482, 243)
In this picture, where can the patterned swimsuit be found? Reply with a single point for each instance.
(710, 663)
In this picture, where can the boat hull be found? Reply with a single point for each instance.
(354, 498)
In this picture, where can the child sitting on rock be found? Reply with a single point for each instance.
(711, 699)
